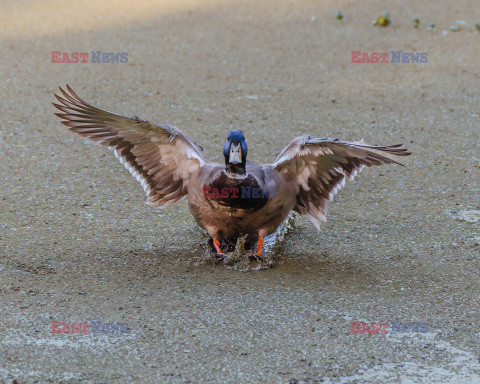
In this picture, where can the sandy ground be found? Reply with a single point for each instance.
(77, 243)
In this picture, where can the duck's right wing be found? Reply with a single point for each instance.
(319, 168)
(161, 157)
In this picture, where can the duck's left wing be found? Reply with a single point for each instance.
(160, 156)
(319, 168)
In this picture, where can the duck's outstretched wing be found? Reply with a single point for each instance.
(161, 157)
(319, 167)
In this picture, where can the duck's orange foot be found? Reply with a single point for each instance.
(216, 245)
(259, 246)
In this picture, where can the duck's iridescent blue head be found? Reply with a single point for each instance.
(235, 148)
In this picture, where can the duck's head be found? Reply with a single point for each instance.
(235, 149)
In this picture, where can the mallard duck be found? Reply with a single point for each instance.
(231, 200)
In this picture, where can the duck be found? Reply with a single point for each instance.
(238, 198)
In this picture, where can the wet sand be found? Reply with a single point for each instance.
(77, 242)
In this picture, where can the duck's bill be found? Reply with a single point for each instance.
(235, 154)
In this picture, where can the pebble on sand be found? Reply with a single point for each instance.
(383, 20)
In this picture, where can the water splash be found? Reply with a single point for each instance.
(273, 241)
(241, 259)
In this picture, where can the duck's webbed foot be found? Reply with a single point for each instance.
(216, 246)
(259, 246)
(220, 246)
(256, 250)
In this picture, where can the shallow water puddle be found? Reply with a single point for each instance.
(468, 215)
